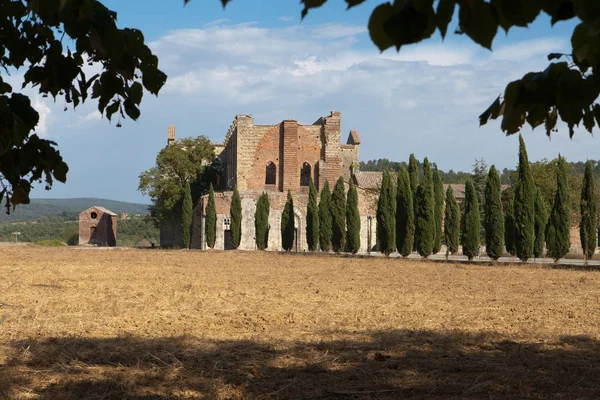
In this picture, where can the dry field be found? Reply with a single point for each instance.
(135, 324)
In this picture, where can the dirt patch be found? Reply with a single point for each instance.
(152, 324)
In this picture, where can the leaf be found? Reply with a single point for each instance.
(136, 93)
(597, 114)
(551, 119)
(536, 115)
(132, 111)
(444, 13)
(492, 112)
(379, 16)
(554, 56)
(308, 4)
(568, 98)
(409, 25)
(113, 108)
(588, 120)
(60, 172)
(514, 113)
(478, 20)
(353, 3)
(19, 196)
(516, 12)
(585, 45)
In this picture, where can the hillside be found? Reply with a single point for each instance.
(41, 207)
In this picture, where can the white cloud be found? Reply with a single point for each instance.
(91, 117)
(427, 96)
(44, 112)
(285, 18)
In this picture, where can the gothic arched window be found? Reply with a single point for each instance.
(271, 173)
(305, 174)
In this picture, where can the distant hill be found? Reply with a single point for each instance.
(41, 207)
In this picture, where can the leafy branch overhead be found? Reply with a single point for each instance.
(566, 89)
(54, 41)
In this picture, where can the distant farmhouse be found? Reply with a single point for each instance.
(98, 226)
(274, 159)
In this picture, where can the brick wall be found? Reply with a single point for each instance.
(104, 224)
(290, 173)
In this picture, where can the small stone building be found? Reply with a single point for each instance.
(98, 226)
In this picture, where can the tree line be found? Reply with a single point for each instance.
(415, 214)
(332, 223)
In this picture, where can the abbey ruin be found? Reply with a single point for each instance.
(274, 159)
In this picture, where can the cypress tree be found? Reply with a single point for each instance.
(405, 217)
(471, 222)
(558, 238)
(413, 174)
(353, 218)
(287, 224)
(541, 220)
(210, 227)
(588, 227)
(493, 219)
(338, 213)
(425, 213)
(186, 216)
(386, 218)
(451, 222)
(312, 218)
(236, 218)
(509, 228)
(261, 221)
(438, 195)
(325, 218)
(524, 206)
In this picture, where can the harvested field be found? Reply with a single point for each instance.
(153, 324)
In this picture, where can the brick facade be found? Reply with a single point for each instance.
(294, 153)
(98, 226)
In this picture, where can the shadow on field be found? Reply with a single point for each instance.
(371, 365)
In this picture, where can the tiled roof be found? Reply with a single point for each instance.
(353, 137)
(101, 209)
(368, 179)
(372, 180)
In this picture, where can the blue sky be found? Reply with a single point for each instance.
(259, 58)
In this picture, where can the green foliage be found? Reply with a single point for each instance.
(405, 217)
(541, 220)
(186, 217)
(509, 228)
(353, 218)
(386, 215)
(325, 229)
(236, 218)
(493, 218)
(287, 224)
(451, 222)
(261, 221)
(471, 222)
(71, 234)
(210, 227)
(524, 206)
(176, 165)
(438, 195)
(413, 174)
(50, 243)
(558, 238)
(425, 213)
(50, 227)
(68, 209)
(312, 218)
(32, 41)
(338, 213)
(588, 226)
